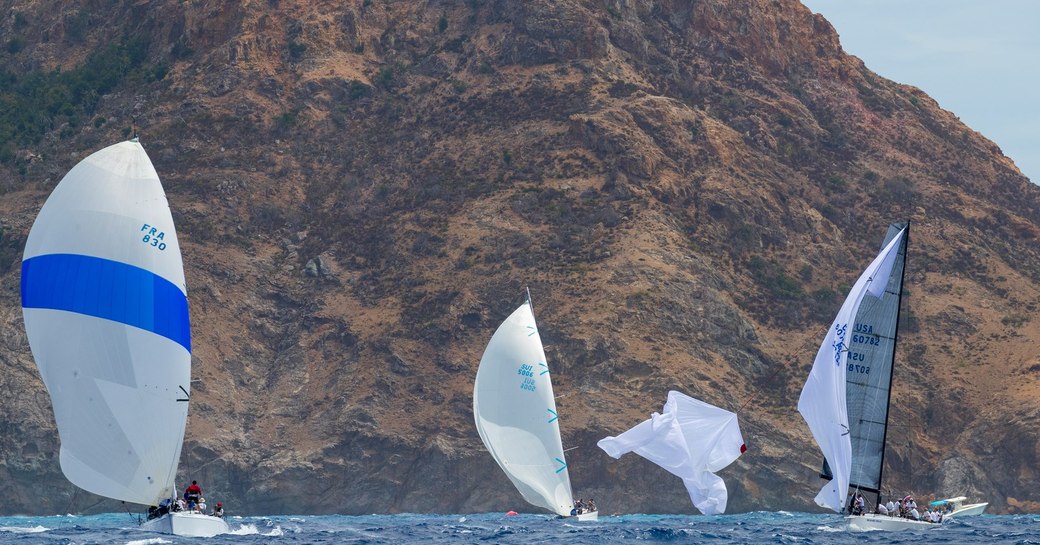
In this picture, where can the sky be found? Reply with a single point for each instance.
(980, 59)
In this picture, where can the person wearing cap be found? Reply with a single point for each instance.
(218, 510)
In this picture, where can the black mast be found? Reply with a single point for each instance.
(895, 343)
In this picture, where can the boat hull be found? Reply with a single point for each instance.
(968, 510)
(187, 525)
(593, 516)
(868, 523)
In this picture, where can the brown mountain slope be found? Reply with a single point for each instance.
(688, 187)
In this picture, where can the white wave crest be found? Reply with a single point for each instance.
(252, 530)
(149, 541)
(22, 529)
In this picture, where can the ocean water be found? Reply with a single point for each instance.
(492, 528)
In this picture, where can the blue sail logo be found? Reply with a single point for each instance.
(840, 346)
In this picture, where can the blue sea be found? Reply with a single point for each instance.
(491, 528)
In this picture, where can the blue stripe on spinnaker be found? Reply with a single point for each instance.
(107, 289)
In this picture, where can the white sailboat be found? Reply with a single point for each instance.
(846, 396)
(106, 315)
(690, 439)
(515, 413)
(957, 508)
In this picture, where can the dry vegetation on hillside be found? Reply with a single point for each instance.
(362, 189)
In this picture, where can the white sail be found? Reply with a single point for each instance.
(690, 439)
(515, 413)
(106, 314)
(822, 402)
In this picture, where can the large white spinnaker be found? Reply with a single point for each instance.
(822, 402)
(690, 439)
(515, 413)
(106, 314)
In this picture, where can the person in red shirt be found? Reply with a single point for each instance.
(192, 494)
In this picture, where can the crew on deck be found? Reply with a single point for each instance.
(582, 506)
(192, 494)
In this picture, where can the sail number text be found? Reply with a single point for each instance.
(865, 369)
(856, 368)
(153, 237)
(864, 334)
(527, 371)
(866, 339)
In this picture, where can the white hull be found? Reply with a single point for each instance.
(187, 524)
(968, 510)
(593, 516)
(867, 523)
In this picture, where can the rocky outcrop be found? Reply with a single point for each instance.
(688, 188)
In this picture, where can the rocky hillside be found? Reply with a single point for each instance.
(362, 190)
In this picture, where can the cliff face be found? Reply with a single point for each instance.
(362, 190)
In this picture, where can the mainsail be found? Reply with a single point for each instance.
(871, 354)
(690, 439)
(823, 402)
(515, 413)
(106, 314)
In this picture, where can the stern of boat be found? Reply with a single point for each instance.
(585, 517)
(187, 525)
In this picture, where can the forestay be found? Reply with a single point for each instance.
(823, 399)
(690, 439)
(869, 372)
(515, 413)
(106, 314)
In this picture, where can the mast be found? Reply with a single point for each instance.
(895, 345)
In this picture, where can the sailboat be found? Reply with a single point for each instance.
(845, 399)
(515, 413)
(955, 507)
(106, 313)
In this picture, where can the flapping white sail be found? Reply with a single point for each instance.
(106, 314)
(692, 440)
(823, 402)
(515, 413)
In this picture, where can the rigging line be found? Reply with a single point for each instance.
(867, 386)
(218, 458)
(136, 519)
(93, 505)
(75, 491)
(570, 449)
